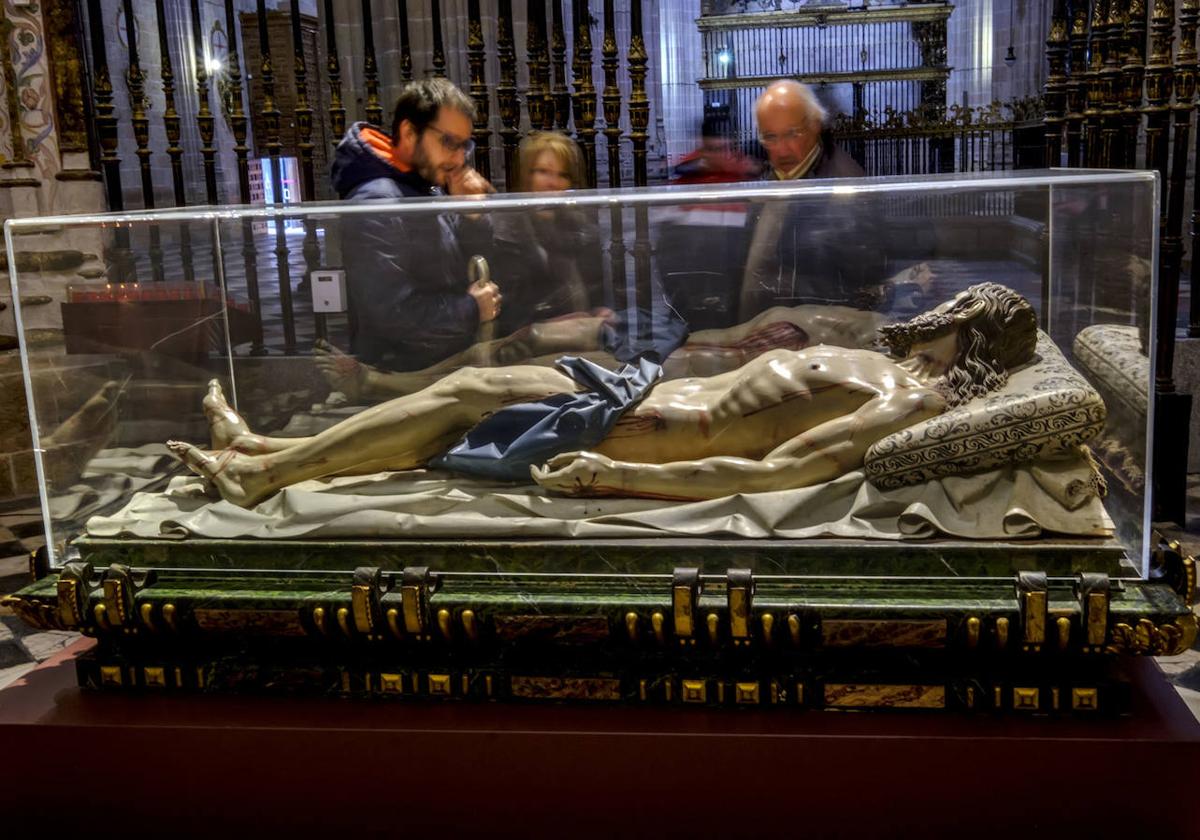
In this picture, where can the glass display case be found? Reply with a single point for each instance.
(847, 444)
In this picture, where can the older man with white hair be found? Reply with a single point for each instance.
(806, 250)
(791, 127)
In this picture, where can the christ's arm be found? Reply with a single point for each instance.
(820, 454)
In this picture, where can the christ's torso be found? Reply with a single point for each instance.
(750, 411)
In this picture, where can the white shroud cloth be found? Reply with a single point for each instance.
(1011, 502)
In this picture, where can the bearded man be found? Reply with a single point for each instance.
(409, 303)
(786, 419)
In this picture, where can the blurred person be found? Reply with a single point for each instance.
(701, 247)
(792, 129)
(807, 250)
(549, 259)
(715, 161)
(410, 301)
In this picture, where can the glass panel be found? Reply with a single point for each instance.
(1100, 304)
(121, 326)
(761, 402)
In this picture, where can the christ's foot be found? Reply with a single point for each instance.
(224, 423)
(235, 475)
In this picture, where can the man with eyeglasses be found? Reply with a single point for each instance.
(410, 301)
(791, 127)
(806, 251)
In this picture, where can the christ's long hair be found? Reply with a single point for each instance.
(998, 338)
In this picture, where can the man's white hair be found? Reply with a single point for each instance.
(813, 109)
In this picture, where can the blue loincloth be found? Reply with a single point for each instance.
(506, 444)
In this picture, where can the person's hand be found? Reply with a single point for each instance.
(579, 474)
(487, 298)
(466, 180)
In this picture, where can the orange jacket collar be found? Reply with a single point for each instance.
(381, 145)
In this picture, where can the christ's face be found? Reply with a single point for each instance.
(935, 331)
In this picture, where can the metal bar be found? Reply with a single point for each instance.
(639, 103)
(744, 81)
(1110, 80)
(270, 119)
(406, 74)
(506, 92)
(535, 96)
(370, 67)
(1159, 82)
(612, 96)
(333, 66)
(237, 116)
(439, 50)
(1133, 74)
(1189, 14)
(558, 47)
(141, 135)
(239, 124)
(826, 16)
(171, 124)
(476, 60)
(584, 94)
(303, 114)
(204, 116)
(548, 108)
(1186, 65)
(107, 133)
(639, 120)
(1076, 85)
(1056, 52)
(1095, 96)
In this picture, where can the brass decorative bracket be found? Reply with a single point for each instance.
(1033, 600)
(1168, 563)
(73, 588)
(740, 597)
(121, 585)
(1092, 591)
(685, 594)
(415, 587)
(365, 600)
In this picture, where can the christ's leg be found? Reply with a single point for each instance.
(402, 433)
(538, 343)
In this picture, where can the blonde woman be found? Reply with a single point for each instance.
(549, 259)
(548, 161)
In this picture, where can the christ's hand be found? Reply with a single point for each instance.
(579, 474)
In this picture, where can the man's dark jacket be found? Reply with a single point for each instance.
(407, 272)
(834, 162)
(822, 250)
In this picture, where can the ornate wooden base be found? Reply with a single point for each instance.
(489, 622)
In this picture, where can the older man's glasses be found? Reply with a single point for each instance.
(772, 139)
(451, 143)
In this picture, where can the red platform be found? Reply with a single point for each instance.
(178, 766)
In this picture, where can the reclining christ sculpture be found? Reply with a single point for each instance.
(786, 419)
